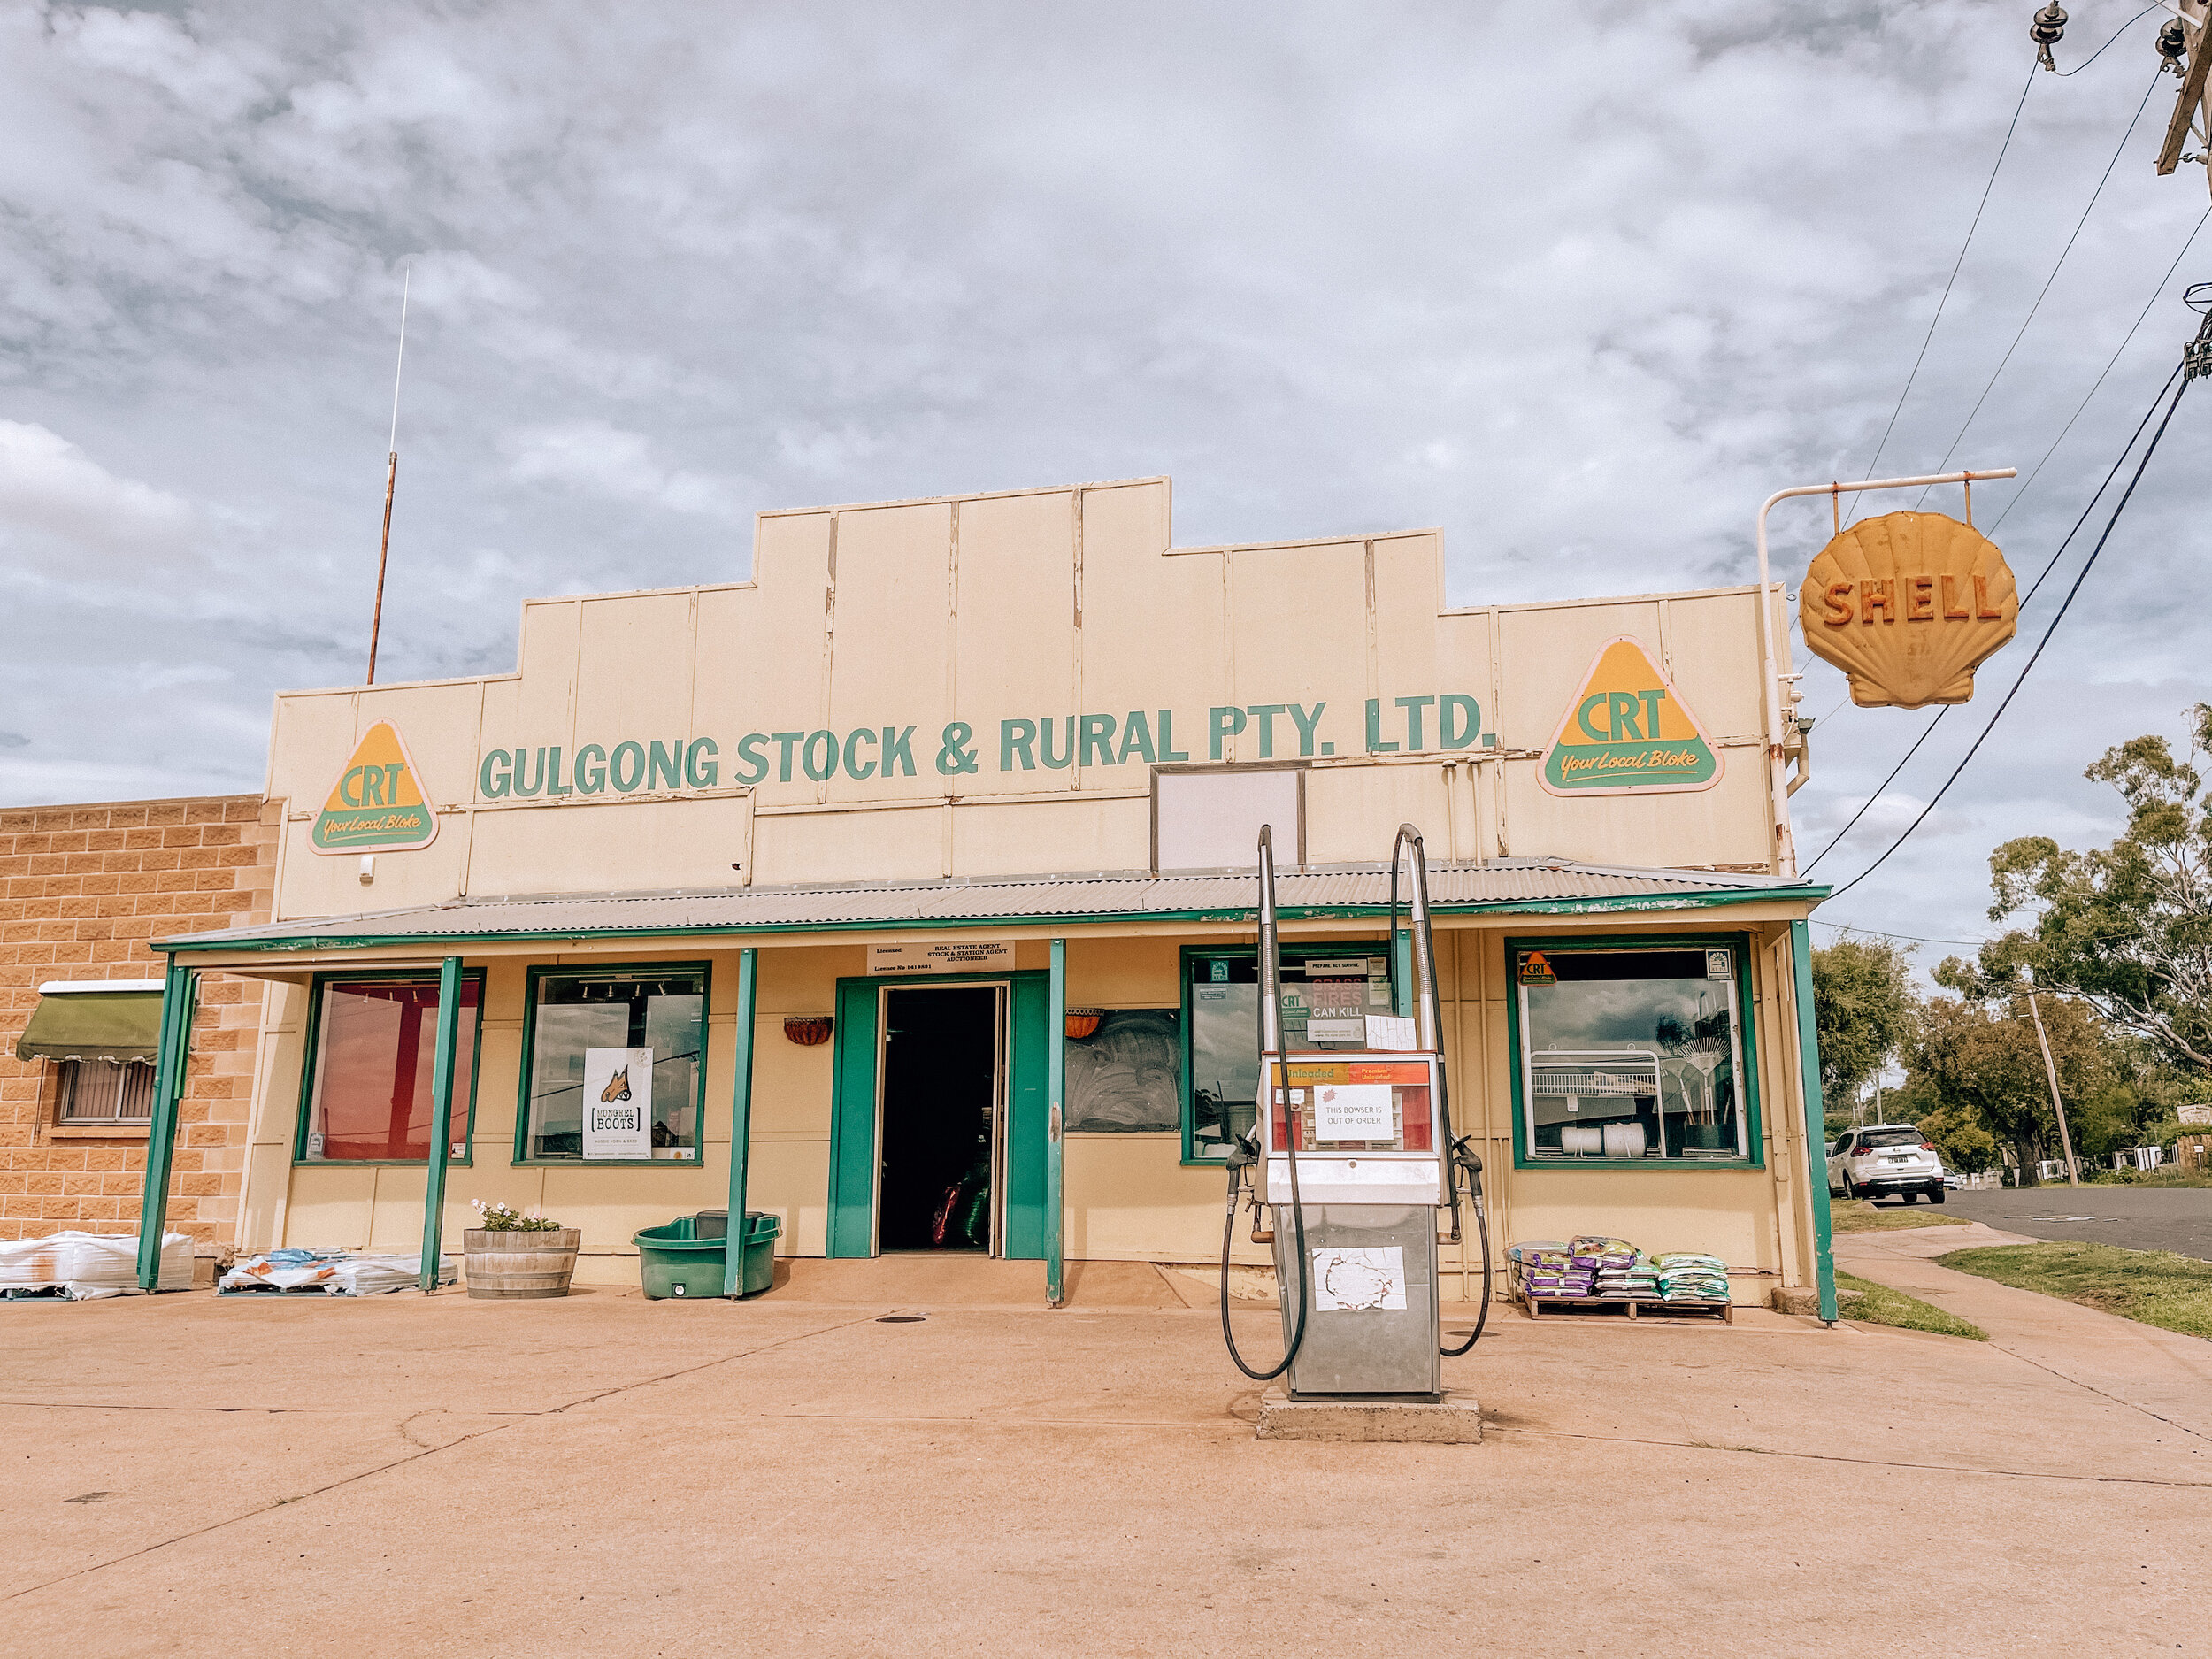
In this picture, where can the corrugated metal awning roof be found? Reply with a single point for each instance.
(1529, 886)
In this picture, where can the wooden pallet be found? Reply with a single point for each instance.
(1536, 1306)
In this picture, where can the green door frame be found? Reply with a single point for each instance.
(740, 1123)
(1055, 1116)
(1815, 1118)
(854, 1153)
(449, 1043)
(172, 1056)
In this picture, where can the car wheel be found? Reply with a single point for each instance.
(1850, 1189)
(1935, 1195)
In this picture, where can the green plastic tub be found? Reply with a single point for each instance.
(674, 1261)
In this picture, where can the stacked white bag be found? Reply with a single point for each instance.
(83, 1266)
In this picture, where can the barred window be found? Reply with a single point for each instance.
(104, 1091)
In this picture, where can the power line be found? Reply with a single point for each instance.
(2049, 565)
(2043, 292)
(1926, 340)
(2101, 50)
(1917, 939)
(2109, 364)
(2087, 565)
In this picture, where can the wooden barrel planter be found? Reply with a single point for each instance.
(517, 1266)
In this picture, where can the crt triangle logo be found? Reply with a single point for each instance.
(377, 805)
(1628, 732)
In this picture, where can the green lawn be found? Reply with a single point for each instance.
(1857, 1215)
(2154, 1286)
(1878, 1304)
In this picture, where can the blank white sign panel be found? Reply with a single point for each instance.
(1210, 820)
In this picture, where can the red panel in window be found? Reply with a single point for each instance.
(378, 1043)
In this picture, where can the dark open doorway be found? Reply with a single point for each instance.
(940, 1096)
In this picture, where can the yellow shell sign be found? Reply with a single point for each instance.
(377, 805)
(1908, 605)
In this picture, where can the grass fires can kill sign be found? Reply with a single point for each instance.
(1628, 732)
(618, 1103)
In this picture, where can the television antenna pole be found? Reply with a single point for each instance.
(391, 482)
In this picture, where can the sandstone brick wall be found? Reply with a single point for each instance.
(82, 889)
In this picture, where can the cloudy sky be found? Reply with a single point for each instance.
(1581, 285)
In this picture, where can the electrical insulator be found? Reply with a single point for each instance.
(2196, 357)
(2046, 29)
(2173, 46)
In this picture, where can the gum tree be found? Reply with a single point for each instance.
(1863, 1007)
(2128, 927)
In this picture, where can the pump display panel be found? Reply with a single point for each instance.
(1364, 1126)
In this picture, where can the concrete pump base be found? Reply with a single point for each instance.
(1455, 1420)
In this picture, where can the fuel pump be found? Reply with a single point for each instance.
(1353, 1153)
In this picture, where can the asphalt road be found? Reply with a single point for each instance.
(2138, 1217)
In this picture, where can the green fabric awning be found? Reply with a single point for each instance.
(93, 1026)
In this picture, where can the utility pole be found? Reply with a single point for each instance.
(2050, 1071)
(2182, 44)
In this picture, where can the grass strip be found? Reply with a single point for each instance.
(1856, 1214)
(1878, 1304)
(2151, 1287)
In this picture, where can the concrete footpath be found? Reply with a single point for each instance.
(2158, 1381)
(606, 1476)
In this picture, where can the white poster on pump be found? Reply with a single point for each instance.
(618, 1103)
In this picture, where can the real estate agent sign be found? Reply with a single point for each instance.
(618, 1103)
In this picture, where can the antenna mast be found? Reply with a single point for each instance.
(391, 480)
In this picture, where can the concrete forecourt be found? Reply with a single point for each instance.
(195, 1475)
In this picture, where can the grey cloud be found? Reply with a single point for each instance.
(1581, 289)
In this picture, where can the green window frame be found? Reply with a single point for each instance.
(528, 1068)
(464, 1110)
(1295, 955)
(1744, 1006)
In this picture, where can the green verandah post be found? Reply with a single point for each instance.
(1055, 1109)
(172, 1054)
(740, 1123)
(1815, 1118)
(441, 1119)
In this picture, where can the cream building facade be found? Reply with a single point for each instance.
(916, 871)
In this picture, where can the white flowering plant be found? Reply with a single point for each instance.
(507, 1219)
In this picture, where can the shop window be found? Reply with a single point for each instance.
(1326, 996)
(103, 1091)
(376, 1041)
(1631, 1054)
(612, 1064)
(1127, 1076)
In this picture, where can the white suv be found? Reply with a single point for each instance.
(1895, 1159)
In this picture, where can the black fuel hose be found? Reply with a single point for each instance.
(1482, 1231)
(1228, 1233)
